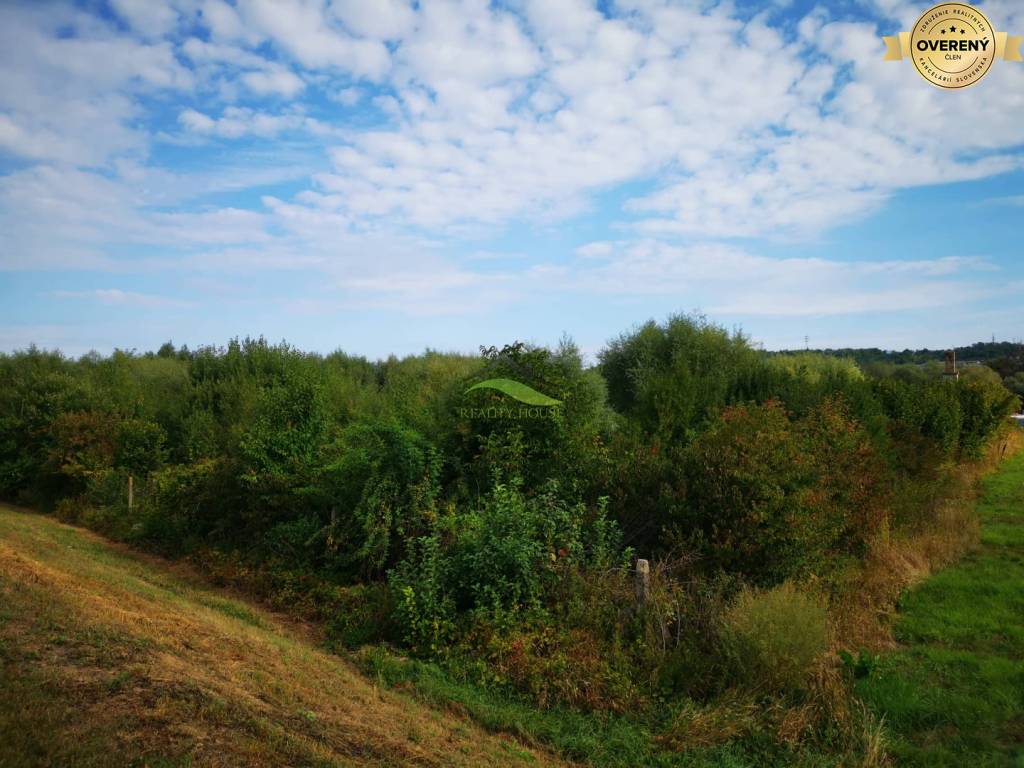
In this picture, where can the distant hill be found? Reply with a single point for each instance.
(982, 351)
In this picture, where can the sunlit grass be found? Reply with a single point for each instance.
(954, 694)
(113, 659)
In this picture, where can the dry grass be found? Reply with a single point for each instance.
(110, 659)
(863, 616)
(732, 716)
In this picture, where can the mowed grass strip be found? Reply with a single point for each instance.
(112, 659)
(953, 695)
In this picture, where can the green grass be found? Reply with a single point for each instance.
(608, 741)
(953, 695)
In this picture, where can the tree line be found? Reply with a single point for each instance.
(402, 509)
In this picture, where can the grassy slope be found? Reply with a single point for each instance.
(953, 695)
(113, 659)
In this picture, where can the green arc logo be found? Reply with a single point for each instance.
(519, 391)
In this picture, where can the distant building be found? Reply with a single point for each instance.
(951, 373)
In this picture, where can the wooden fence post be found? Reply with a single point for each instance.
(643, 581)
(131, 492)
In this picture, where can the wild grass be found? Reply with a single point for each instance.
(949, 528)
(775, 635)
(953, 692)
(114, 658)
(108, 659)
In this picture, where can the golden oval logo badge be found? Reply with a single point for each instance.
(953, 46)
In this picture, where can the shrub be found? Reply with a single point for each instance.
(280, 443)
(752, 506)
(985, 404)
(561, 446)
(496, 561)
(774, 636)
(379, 484)
(673, 378)
(360, 615)
(35, 388)
(773, 498)
(422, 586)
(851, 478)
(555, 665)
(183, 502)
(82, 444)
(139, 446)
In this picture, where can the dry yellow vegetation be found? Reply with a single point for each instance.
(109, 658)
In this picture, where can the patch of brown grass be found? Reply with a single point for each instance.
(731, 716)
(106, 658)
(863, 616)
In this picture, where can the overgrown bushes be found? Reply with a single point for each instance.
(773, 498)
(497, 561)
(395, 505)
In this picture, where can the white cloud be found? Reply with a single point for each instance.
(746, 137)
(73, 99)
(381, 19)
(200, 51)
(242, 121)
(148, 17)
(57, 218)
(347, 97)
(467, 43)
(596, 250)
(118, 298)
(304, 31)
(474, 116)
(222, 20)
(732, 281)
(275, 80)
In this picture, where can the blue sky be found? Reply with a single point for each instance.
(388, 176)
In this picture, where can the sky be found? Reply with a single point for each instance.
(386, 176)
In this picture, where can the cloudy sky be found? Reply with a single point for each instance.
(386, 175)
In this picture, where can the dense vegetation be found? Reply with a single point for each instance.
(1004, 357)
(953, 693)
(497, 540)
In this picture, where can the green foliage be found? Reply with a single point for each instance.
(860, 666)
(181, 504)
(674, 378)
(380, 483)
(361, 615)
(496, 561)
(35, 388)
(774, 637)
(772, 498)
(139, 446)
(985, 404)
(951, 693)
(815, 368)
(1015, 383)
(396, 502)
(557, 442)
(284, 433)
(83, 444)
